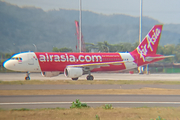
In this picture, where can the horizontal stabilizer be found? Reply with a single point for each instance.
(157, 57)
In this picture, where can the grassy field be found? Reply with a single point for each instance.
(143, 113)
(147, 91)
(85, 82)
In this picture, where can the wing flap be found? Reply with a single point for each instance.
(99, 64)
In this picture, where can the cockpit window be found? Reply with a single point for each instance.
(16, 58)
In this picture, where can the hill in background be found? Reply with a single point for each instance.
(20, 28)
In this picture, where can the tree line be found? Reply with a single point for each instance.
(169, 49)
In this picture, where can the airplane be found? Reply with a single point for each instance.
(74, 65)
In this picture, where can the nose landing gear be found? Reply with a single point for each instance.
(27, 76)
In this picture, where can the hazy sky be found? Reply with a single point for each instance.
(165, 11)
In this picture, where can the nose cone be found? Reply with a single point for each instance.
(7, 64)
(10, 65)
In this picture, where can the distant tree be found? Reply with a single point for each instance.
(65, 49)
(90, 47)
(160, 50)
(177, 53)
(103, 46)
(135, 45)
(8, 55)
(169, 49)
(55, 49)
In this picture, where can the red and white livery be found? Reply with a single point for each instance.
(74, 65)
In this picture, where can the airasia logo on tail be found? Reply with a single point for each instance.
(151, 40)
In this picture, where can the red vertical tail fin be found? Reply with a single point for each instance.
(83, 47)
(150, 43)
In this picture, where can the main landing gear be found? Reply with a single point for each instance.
(89, 77)
(27, 76)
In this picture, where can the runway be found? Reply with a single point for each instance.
(97, 76)
(83, 87)
(64, 101)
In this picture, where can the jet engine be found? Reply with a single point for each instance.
(50, 74)
(73, 72)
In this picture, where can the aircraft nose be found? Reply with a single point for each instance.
(7, 64)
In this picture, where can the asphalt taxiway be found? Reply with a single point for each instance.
(97, 76)
(64, 101)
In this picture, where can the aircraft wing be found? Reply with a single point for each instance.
(97, 65)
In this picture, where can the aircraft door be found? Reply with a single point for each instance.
(30, 59)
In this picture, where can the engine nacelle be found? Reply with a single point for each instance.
(73, 72)
(50, 74)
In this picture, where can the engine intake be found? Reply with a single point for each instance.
(73, 72)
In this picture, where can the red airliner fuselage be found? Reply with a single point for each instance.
(74, 65)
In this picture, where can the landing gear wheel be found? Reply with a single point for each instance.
(27, 78)
(90, 77)
(74, 78)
